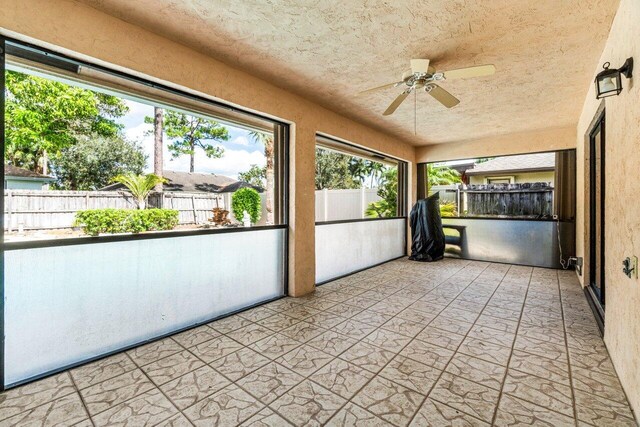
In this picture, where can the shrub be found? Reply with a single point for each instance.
(447, 209)
(96, 221)
(246, 199)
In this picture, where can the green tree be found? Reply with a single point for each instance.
(256, 175)
(93, 162)
(332, 171)
(43, 116)
(187, 133)
(441, 175)
(387, 206)
(139, 186)
(266, 139)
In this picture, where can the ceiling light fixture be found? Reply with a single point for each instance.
(608, 81)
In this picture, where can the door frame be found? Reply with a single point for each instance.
(597, 301)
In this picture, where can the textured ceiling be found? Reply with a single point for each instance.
(545, 52)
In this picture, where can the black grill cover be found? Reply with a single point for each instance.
(427, 236)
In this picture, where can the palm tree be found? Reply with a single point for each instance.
(267, 140)
(139, 186)
(157, 144)
(441, 175)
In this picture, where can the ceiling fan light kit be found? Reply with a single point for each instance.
(423, 76)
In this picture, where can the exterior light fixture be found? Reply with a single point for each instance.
(608, 81)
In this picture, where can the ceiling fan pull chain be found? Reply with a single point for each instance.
(415, 112)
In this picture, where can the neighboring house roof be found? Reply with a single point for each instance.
(521, 163)
(15, 172)
(194, 182)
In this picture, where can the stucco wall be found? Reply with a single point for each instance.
(84, 32)
(622, 210)
(513, 143)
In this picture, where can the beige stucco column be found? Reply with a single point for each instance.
(302, 266)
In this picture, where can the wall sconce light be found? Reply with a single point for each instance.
(608, 81)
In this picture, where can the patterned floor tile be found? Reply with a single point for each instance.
(411, 374)
(229, 406)
(372, 318)
(403, 327)
(441, 338)
(302, 331)
(171, 367)
(478, 370)
(427, 353)
(178, 420)
(156, 350)
(494, 336)
(341, 377)
(354, 329)
(22, 399)
(539, 391)
(215, 349)
(239, 363)
(275, 346)
(486, 351)
(387, 340)
(332, 342)
(516, 412)
(63, 411)
(325, 320)
(466, 396)
(277, 322)
(146, 409)
(109, 393)
(266, 418)
(599, 411)
(367, 356)
(554, 370)
(594, 382)
(308, 404)
(194, 386)
(541, 348)
(451, 325)
(389, 401)
(435, 414)
(257, 313)
(304, 360)
(229, 324)
(251, 333)
(354, 416)
(101, 370)
(195, 336)
(270, 382)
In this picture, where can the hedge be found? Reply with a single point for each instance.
(246, 199)
(97, 221)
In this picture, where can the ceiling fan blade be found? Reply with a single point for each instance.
(442, 96)
(396, 103)
(419, 65)
(375, 89)
(478, 71)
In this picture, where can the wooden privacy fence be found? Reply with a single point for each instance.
(523, 200)
(42, 210)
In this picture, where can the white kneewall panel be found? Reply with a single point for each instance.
(67, 304)
(346, 247)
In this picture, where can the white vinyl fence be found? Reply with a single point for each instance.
(44, 209)
(335, 205)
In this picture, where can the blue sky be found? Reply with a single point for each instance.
(240, 151)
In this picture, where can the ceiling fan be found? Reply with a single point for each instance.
(423, 77)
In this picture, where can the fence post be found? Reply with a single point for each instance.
(362, 202)
(193, 207)
(325, 203)
(9, 208)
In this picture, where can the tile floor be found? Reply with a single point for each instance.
(450, 343)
